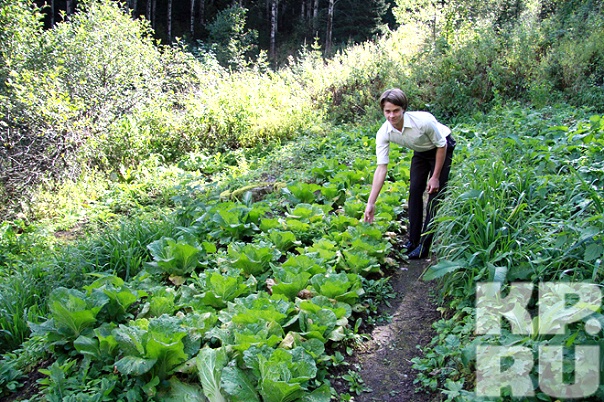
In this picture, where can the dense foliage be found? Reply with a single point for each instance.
(96, 93)
(195, 192)
(237, 299)
(526, 205)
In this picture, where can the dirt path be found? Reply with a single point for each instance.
(386, 363)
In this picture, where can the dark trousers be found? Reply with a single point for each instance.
(422, 166)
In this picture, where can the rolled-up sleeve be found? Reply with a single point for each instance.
(382, 148)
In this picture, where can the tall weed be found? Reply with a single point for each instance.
(16, 312)
(518, 210)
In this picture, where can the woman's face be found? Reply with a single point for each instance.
(394, 114)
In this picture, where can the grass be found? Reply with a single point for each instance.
(522, 207)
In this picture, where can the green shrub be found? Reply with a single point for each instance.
(21, 25)
(233, 44)
(16, 312)
(77, 79)
(575, 63)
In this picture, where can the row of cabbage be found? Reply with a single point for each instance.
(248, 302)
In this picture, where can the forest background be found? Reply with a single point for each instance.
(101, 114)
(278, 27)
(73, 95)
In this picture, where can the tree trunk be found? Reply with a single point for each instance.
(192, 28)
(328, 33)
(69, 7)
(315, 18)
(170, 21)
(52, 13)
(148, 13)
(153, 13)
(202, 13)
(134, 7)
(274, 11)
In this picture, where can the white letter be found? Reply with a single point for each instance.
(490, 307)
(489, 377)
(554, 314)
(587, 371)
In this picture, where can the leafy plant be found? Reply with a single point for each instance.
(326, 249)
(251, 259)
(308, 213)
(256, 308)
(359, 263)
(289, 283)
(355, 382)
(173, 257)
(342, 287)
(377, 292)
(10, 377)
(120, 296)
(221, 288)
(305, 263)
(210, 364)
(302, 193)
(285, 373)
(334, 194)
(72, 314)
(323, 319)
(161, 300)
(327, 168)
(255, 320)
(100, 345)
(229, 222)
(283, 240)
(151, 348)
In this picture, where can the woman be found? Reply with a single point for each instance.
(432, 146)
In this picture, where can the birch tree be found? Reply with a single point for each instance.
(329, 31)
(169, 20)
(192, 26)
(202, 13)
(154, 13)
(133, 7)
(273, 40)
(69, 7)
(52, 13)
(315, 18)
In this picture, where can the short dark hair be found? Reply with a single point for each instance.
(394, 96)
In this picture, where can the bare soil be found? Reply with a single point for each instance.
(385, 360)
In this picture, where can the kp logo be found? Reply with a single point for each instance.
(559, 304)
